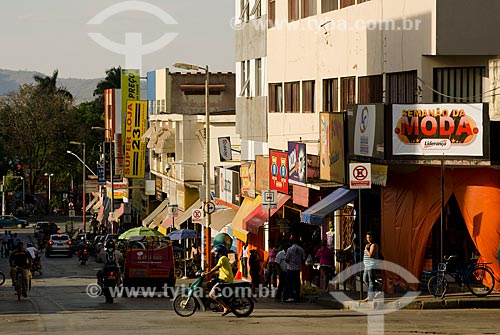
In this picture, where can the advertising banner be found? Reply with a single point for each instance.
(130, 90)
(261, 173)
(332, 164)
(135, 149)
(278, 171)
(437, 129)
(297, 163)
(227, 184)
(247, 174)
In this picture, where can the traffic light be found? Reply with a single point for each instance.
(19, 170)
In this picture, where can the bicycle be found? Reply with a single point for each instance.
(2, 278)
(19, 283)
(477, 276)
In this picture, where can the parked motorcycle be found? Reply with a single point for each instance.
(83, 256)
(111, 277)
(237, 296)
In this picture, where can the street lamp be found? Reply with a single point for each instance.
(84, 188)
(111, 148)
(205, 252)
(49, 175)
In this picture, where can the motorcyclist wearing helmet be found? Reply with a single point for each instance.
(110, 257)
(225, 274)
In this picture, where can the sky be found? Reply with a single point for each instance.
(44, 35)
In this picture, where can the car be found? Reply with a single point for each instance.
(59, 244)
(12, 221)
(45, 228)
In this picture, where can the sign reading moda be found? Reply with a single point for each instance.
(438, 129)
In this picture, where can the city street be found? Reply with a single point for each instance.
(58, 304)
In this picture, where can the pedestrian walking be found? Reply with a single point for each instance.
(280, 268)
(369, 261)
(295, 257)
(326, 258)
(244, 260)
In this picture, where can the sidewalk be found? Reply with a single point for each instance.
(464, 300)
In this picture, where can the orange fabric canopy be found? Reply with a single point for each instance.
(411, 204)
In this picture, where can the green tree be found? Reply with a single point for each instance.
(49, 84)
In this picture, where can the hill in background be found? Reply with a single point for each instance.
(81, 89)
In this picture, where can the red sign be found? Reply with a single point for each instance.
(278, 171)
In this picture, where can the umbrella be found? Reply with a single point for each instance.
(139, 231)
(182, 234)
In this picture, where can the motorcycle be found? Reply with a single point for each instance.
(237, 296)
(111, 278)
(83, 256)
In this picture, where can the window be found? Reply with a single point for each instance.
(370, 89)
(271, 13)
(258, 77)
(361, 1)
(346, 3)
(308, 96)
(293, 10)
(347, 92)
(459, 84)
(257, 9)
(275, 98)
(401, 87)
(308, 8)
(329, 5)
(245, 11)
(245, 79)
(292, 97)
(331, 95)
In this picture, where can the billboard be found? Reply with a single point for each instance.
(227, 186)
(365, 130)
(451, 129)
(332, 154)
(130, 89)
(297, 163)
(261, 173)
(247, 174)
(135, 149)
(278, 171)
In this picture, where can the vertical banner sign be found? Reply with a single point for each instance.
(278, 171)
(225, 149)
(131, 90)
(135, 149)
(332, 166)
(297, 163)
(247, 173)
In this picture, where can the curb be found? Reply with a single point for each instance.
(431, 304)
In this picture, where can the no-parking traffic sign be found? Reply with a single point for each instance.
(197, 215)
(360, 175)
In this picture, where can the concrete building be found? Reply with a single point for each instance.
(176, 133)
(323, 55)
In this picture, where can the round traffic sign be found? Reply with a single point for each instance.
(360, 172)
(197, 214)
(209, 207)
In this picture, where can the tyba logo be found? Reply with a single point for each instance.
(133, 49)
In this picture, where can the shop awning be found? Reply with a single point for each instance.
(119, 212)
(245, 209)
(96, 206)
(259, 215)
(186, 215)
(335, 200)
(220, 219)
(91, 203)
(147, 134)
(158, 219)
(147, 221)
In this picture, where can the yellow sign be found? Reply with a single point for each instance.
(131, 90)
(135, 149)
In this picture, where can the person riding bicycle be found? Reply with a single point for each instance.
(225, 275)
(111, 258)
(35, 255)
(20, 258)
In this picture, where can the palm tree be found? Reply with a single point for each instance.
(112, 80)
(49, 84)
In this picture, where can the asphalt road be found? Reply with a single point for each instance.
(59, 304)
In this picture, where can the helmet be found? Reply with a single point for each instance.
(110, 245)
(220, 249)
